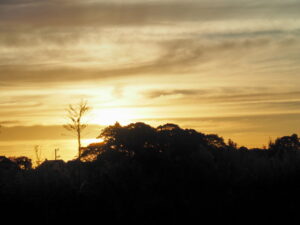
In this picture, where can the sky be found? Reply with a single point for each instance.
(229, 67)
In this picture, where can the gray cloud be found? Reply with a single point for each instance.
(241, 118)
(232, 97)
(161, 93)
(20, 37)
(16, 2)
(177, 56)
(66, 13)
(235, 99)
(9, 123)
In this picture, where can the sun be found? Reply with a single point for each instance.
(110, 116)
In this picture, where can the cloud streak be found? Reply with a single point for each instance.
(47, 13)
(177, 56)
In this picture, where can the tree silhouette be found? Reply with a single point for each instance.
(286, 143)
(6, 163)
(23, 162)
(142, 141)
(76, 125)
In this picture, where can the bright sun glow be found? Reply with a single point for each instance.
(112, 115)
(86, 142)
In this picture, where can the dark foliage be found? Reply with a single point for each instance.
(146, 175)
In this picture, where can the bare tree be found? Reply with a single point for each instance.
(38, 155)
(76, 125)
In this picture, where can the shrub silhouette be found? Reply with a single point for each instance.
(22, 162)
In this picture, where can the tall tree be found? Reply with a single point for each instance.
(76, 125)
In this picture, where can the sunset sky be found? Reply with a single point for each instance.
(230, 67)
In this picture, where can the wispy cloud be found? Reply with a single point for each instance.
(10, 122)
(175, 56)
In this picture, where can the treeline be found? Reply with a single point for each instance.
(145, 175)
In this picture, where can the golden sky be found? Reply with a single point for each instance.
(230, 67)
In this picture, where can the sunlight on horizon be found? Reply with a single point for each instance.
(86, 142)
(110, 116)
(67, 148)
